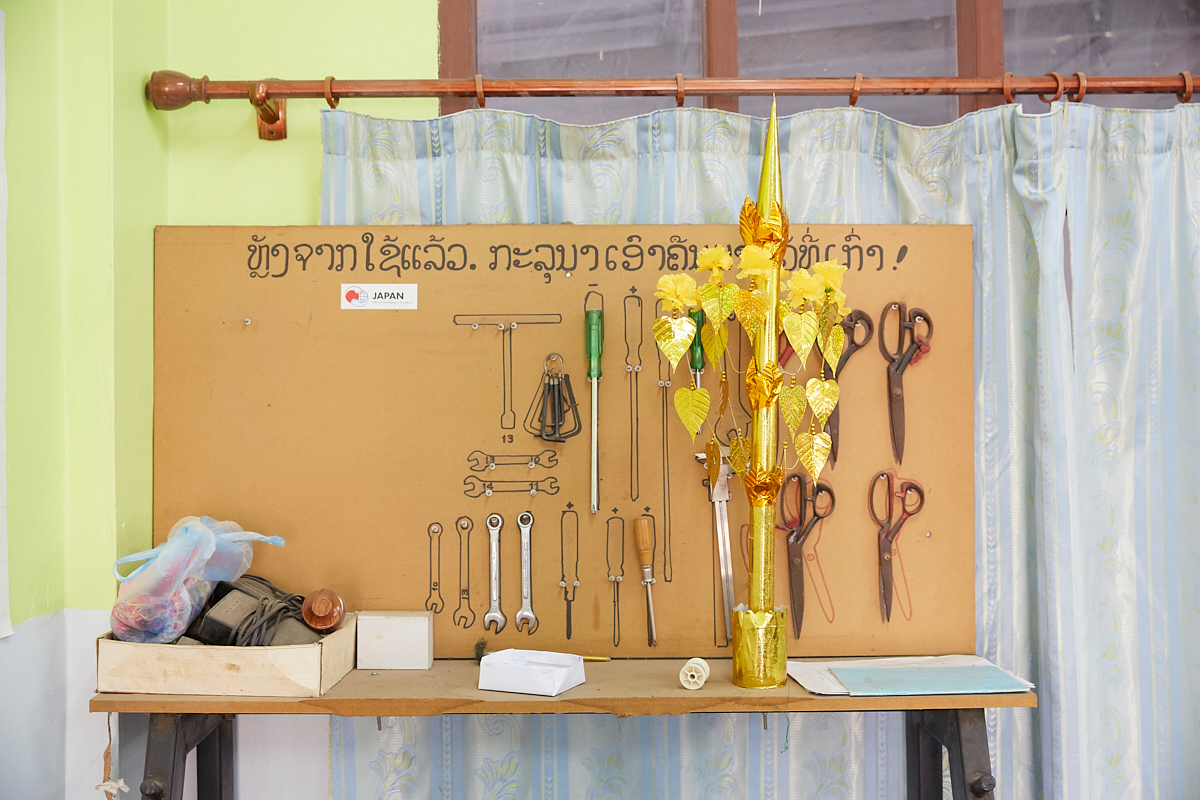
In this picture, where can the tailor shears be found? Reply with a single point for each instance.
(890, 507)
(910, 346)
(850, 324)
(799, 523)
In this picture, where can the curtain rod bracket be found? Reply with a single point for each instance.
(272, 113)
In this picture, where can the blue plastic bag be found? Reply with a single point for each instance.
(159, 599)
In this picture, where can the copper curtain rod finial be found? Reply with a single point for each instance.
(168, 90)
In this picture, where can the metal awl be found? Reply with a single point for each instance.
(643, 542)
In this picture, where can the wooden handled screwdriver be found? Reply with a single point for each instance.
(643, 542)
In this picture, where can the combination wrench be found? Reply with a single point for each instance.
(526, 616)
(464, 615)
(494, 616)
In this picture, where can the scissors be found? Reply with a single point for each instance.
(882, 495)
(799, 523)
(850, 324)
(908, 342)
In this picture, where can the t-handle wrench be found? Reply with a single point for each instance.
(525, 616)
(464, 615)
(494, 616)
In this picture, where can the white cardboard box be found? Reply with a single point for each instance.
(530, 672)
(395, 639)
(304, 670)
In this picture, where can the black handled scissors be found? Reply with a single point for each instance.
(882, 495)
(799, 523)
(908, 341)
(850, 324)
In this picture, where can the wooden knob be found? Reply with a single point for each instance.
(643, 540)
(168, 90)
(323, 611)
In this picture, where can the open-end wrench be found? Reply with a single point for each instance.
(464, 615)
(434, 602)
(494, 616)
(526, 616)
(480, 460)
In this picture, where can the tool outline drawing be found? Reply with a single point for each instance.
(615, 577)
(480, 461)
(633, 368)
(507, 325)
(571, 587)
(434, 601)
(464, 525)
(478, 487)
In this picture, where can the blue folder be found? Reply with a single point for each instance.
(888, 681)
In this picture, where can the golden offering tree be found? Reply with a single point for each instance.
(810, 316)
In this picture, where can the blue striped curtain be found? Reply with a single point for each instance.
(1087, 428)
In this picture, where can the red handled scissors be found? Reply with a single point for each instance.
(908, 342)
(799, 523)
(890, 508)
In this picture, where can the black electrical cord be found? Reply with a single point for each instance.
(274, 605)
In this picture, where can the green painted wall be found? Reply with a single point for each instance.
(92, 168)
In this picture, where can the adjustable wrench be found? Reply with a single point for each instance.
(461, 618)
(526, 616)
(494, 616)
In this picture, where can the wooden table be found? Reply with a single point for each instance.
(625, 688)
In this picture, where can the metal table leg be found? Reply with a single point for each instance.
(963, 732)
(170, 738)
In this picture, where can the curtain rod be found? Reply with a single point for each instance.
(168, 90)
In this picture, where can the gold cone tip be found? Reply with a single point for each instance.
(770, 183)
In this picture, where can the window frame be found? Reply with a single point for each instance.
(979, 34)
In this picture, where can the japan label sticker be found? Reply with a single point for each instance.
(402, 296)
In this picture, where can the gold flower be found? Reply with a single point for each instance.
(755, 261)
(803, 286)
(829, 273)
(716, 259)
(677, 292)
(839, 297)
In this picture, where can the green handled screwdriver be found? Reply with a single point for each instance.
(696, 351)
(593, 329)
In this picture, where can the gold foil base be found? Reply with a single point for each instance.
(760, 648)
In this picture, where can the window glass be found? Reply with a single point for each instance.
(1147, 37)
(599, 39)
(837, 38)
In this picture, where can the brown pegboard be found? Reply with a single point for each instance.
(348, 432)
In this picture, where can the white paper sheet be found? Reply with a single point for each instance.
(817, 676)
(5, 617)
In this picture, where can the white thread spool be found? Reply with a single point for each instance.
(694, 673)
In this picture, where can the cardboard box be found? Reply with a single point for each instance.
(307, 670)
(395, 639)
(530, 672)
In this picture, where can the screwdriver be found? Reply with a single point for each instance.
(643, 542)
(696, 351)
(593, 328)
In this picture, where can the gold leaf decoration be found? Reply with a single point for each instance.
(762, 386)
(712, 459)
(724, 395)
(739, 455)
(750, 308)
(781, 312)
(801, 330)
(714, 339)
(822, 397)
(674, 336)
(791, 407)
(814, 451)
(832, 347)
(749, 222)
(717, 300)
(692, 407)
(762, 485)
(828, 310)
